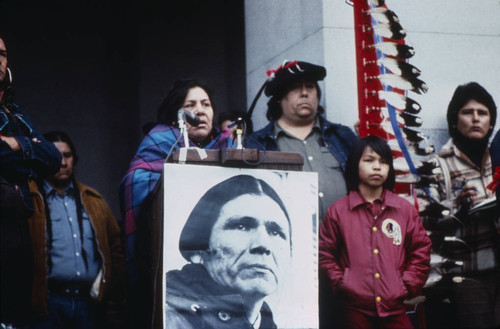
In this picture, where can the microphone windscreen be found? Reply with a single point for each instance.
(190, 117)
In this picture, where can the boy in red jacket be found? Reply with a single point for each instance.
(372, 245)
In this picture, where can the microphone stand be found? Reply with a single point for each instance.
(239, 133)
(181, 118)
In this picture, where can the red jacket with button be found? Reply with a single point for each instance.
(364, 256)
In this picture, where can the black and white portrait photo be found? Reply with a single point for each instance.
(239, 248)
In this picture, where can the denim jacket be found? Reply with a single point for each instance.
(36, 159)
(337, 138)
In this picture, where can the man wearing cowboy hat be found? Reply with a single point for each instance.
(297, 124)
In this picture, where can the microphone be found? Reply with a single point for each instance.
(193, 119)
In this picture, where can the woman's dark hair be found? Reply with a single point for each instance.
(463, 94)
(274, 110)
(59, 136)
(379, 146)
(167, 112)
(196, 233)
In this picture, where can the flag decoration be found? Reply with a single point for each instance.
(384, 79)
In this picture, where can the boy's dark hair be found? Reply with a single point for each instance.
(463, 94)
(379, 146)
(167, 112)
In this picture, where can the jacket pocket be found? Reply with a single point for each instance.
(344, 286)
(403, 291)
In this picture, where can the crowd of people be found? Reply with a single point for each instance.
(67, 262)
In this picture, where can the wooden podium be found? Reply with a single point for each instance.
(236, 158)
(243, 158)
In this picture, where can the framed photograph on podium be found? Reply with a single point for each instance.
(239, 248)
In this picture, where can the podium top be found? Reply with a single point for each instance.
(241, 158)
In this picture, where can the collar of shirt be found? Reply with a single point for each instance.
(449, 150)
(278, 131)
(387, 198)
(50, 190)
(256, 323)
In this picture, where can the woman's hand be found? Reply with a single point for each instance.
(468, 196)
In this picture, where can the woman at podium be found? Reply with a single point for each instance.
(189, 105)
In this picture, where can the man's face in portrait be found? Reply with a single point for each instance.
(249, 245)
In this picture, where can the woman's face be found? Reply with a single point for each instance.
(474, 121)
(198, 102)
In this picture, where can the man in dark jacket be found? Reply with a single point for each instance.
(297, 124)
(24, 155)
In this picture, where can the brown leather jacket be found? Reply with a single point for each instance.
(111, 281)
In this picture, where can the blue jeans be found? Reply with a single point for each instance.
(68, 312)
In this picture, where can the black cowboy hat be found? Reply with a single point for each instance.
(290, 72)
